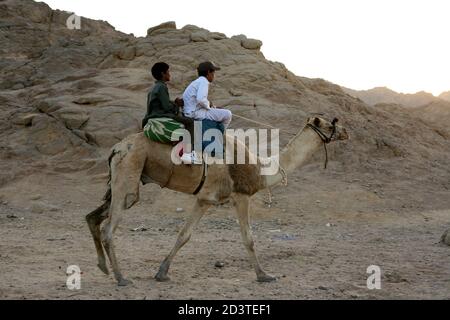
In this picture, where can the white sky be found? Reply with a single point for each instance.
(360, 44)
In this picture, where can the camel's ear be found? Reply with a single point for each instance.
(317, 122)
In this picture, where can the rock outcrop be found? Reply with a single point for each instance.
(437, 114)
(445, 96)
(161, 28)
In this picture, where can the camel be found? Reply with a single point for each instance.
(136, 158)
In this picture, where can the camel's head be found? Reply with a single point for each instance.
(327, 130)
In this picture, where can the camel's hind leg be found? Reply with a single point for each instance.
(125, 177)
(185, 234)
(107, 240)
(242, 203)
(94, 220)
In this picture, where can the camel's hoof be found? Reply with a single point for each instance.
(266, 278)
(104, 268)
(124, 282)
(162, 278)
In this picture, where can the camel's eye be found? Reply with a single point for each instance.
(317, 122)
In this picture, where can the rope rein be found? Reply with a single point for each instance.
(254, 121)
(260, 123)
(280, 168)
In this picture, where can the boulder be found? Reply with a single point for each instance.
(251, 44)
(145, 49)
(48, 106)
(191, 28)
(217, 36)
(24, 120)
(47, 136)
(199, 36)
(170, 25)
(239, 37)
(127, 53)
(171, 38)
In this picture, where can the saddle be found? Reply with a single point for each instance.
(169, 130)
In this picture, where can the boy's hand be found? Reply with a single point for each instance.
(179, 102)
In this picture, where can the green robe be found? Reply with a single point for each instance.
(159, 104)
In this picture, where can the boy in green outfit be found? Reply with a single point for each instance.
(158, 101)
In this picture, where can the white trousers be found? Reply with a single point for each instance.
(220, 115)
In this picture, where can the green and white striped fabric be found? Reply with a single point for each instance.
(161, 129)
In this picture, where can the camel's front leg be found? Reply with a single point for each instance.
(242, 203)
(185, 234)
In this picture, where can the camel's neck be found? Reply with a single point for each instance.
(297, 152)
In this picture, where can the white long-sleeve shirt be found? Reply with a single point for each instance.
(196, 96)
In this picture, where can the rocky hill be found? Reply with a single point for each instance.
(66, 96)
(386, 95)
(437, 114)
(445, 96)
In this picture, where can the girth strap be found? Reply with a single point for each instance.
(205, 171)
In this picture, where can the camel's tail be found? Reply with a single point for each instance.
(106, 198)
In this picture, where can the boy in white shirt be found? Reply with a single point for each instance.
(197, 105)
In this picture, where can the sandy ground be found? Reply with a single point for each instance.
(318, 238)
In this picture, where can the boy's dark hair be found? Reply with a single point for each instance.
(158, 69)
(203, 72)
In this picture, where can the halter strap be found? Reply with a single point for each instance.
(324, 137)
